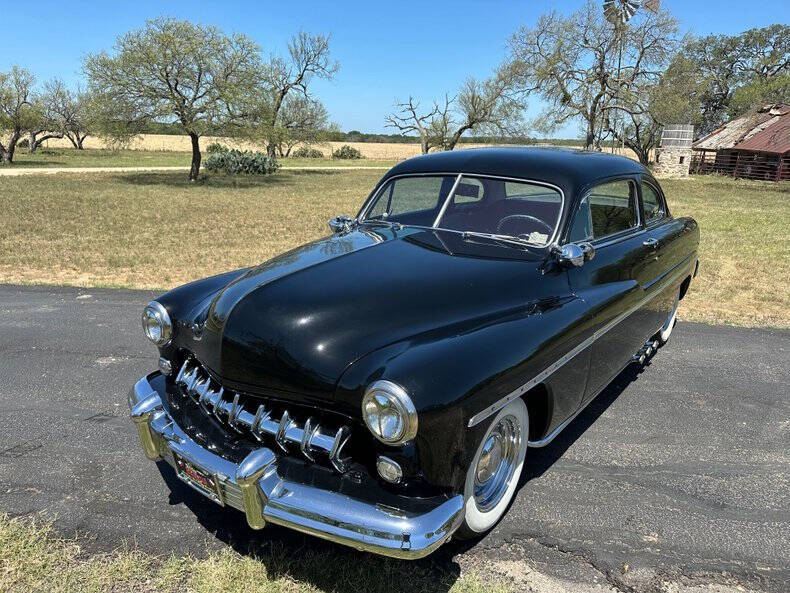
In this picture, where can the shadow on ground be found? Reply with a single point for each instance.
(179, 178)
(332, 567)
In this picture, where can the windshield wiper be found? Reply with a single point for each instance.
(380, 222)
(507, 239)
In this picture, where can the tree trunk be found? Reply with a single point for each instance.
(589, 140)
(456, 137)
(641, 152)
(194, 170)
(34, 143)
(7, 152)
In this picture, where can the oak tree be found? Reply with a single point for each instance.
(175, 71)
(17, 114)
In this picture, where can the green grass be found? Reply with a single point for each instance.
(156, 230)
(34, 559)
(68, 157)
(744, 276)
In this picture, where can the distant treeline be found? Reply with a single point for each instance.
(174, 129)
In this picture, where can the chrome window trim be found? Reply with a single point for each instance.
(377, 190)
(548, 371)
(447, 201)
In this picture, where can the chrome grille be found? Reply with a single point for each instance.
(310, 438)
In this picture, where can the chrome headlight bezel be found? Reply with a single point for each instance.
(386, 396)
(155, 312)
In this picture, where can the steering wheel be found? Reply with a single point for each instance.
(522, 217)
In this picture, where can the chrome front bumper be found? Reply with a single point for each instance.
(255, 487)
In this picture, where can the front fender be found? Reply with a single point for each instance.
(455, 375)
(188, 301)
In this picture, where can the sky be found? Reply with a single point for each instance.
(387, 50)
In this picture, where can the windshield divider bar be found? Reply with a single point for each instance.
(447, 201)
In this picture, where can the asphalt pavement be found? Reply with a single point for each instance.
(679, 473)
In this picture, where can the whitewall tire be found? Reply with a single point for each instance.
(669, 324)
(495, 469)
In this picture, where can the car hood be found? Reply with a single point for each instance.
(290, 326)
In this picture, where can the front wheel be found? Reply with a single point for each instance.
(495, 470)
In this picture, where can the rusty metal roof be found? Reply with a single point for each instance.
(768, 130)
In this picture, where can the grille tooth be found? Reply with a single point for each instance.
(341, 438)
(198, 387)
(282, 430)
(233, 414)
(189, 379)
(307, 435)
(255, 427)
(181, 371)
(197, 382)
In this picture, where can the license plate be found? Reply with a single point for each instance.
(204, 482)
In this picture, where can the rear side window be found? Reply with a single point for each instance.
(652, 203)
(608, 209)
(612, 208)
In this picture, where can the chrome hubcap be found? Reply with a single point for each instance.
(496, 465)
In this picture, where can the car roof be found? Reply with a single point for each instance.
(569, 169)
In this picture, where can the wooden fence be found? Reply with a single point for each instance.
(747, 165)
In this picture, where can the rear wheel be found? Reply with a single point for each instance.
(494, 472)
(669, 324)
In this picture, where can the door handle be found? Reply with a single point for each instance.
(651, 242)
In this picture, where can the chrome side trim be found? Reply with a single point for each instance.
(545, 373)
(256, 487)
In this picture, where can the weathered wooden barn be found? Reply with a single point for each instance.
(754, 146)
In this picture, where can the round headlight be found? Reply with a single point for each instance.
(389, 413)
(156, 324)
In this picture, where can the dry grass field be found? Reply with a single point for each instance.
(102, 157)
(156, 230)
(167, 143)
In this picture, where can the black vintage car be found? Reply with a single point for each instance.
(381, 387)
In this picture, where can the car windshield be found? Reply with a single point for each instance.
(525, 210)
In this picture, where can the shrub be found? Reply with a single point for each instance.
(215, 147)
(237, 162)
(307, 152)
(347, 152)
(24, 143)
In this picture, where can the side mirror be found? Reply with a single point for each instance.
(573, 254)
(340, 224)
